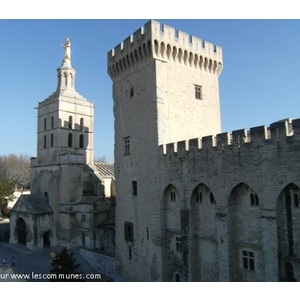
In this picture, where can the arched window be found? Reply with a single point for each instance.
(70, 140)
(71, 77)
(199, 197)
(66, 79)
(81, 141)
(45, 142)
(70, 122)
(254, 201)
(289, 272)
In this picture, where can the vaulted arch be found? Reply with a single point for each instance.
(203, 234)
(288, 218)
(245, 234)
(172, 232)
(172, 206)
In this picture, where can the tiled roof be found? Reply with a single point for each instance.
(33, 204)
(105, 169)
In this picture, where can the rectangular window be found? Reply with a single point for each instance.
(81, 141)
(130, 253)
(178, 244)
(134, 188)
(70, 124)
(81, 124)
(172, 196)
(70, 140)
(128, 230)
(254, 200)
(199, 197)
(45, 142)
(198, 92)
(127, 146)
(248, 260)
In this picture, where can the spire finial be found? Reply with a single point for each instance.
(67, 55)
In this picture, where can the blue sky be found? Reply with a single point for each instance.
(258, 85)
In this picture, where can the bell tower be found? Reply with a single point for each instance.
(64, 149)
(65, 119)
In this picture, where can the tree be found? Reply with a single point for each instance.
(6, 189)
(100, 159)
(64, 267)
(15, 170)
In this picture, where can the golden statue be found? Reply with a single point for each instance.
(67, 55)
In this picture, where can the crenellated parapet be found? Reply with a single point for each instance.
(279, 132)
(162, 42)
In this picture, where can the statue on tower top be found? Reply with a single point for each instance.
(67, 55)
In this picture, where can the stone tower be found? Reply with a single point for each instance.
(65, 120)
(72, 199)
(165, 89)
(64, 148)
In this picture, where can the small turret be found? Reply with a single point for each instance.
(66, 74)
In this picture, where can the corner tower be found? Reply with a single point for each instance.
(165, 89)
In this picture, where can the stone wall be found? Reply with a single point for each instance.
(243, 185)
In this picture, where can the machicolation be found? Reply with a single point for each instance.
(163, 43)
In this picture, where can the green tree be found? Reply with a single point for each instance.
(6, 189)
(64, 266)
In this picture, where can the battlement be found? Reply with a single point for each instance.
(163, 42)
(278, 132)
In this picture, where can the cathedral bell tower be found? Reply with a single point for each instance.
(65, 119)
(64, 149)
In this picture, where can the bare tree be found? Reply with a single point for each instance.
(100, 159)
(15, 169)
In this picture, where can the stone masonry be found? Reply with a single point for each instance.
(195, 204)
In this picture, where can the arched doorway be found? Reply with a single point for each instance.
(288, 221)
(177, 277)
(21, 231)
(46, 239)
